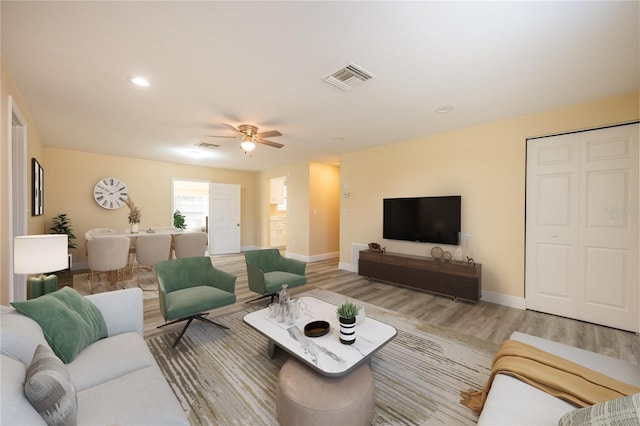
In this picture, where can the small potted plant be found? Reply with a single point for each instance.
(62, 225)
(179, 220)
(347, 313)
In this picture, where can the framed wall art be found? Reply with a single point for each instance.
(37, 178)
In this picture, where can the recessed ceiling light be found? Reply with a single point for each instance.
(444, 109)
(139, 81)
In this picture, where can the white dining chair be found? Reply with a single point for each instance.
(107, 254)
(190, 244)
(151, 249)
(96, 231)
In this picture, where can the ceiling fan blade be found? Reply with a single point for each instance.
(269, 143)
(238, 132)
(269, 134)
(218, 136)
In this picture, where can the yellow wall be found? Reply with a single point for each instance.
(324, 209)
(484, 164)
(71, 175)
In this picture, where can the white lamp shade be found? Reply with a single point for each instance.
(248, 145)
(37, 254)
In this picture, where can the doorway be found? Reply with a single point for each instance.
(278, 212)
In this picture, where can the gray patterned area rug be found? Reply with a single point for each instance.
(224, 377)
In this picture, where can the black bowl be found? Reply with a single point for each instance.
(316, 328)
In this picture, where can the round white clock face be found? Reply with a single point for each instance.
(110, 193)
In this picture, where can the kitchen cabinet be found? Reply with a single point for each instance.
(278, 233)
(276, 190)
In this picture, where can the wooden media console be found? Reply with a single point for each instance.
(455, 279)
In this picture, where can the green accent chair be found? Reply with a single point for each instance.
(267, 270)
(191, 286)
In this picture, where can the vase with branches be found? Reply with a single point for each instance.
(135, 215)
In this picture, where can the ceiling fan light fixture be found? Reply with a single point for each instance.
(247, 145)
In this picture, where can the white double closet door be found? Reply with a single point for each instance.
(582, 226)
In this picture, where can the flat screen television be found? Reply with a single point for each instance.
(422, 219)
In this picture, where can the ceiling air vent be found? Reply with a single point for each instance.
(207, 145)
(348, 77)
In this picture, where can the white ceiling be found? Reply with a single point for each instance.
(262, 63)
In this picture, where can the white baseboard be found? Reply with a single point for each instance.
(314, 258)
(503, 299)
(348, 267)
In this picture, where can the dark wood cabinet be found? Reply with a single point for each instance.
(456, 279)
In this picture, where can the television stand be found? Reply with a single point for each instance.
(458, 280)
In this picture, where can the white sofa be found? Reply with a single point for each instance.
(116, 378)
(513, 402)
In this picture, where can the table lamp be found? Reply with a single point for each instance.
(38, 254)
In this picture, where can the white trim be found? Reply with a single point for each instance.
(503, 299)
(314, 258)
(348, 267)
(17, 189)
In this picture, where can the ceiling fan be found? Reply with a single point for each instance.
(250, 137)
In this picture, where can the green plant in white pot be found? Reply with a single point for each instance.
(179, 220)
(347, 313)
(61, 224)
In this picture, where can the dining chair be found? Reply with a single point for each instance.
(151, 249)
(190, 244)
(96, 231)
(107, 254)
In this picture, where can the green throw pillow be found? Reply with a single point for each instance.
(621, 411)
(69, 321)
(50, 390)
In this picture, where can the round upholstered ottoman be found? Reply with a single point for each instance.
(306, 398)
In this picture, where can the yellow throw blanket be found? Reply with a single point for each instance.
(555, 375)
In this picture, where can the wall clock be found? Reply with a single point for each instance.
(110, 193)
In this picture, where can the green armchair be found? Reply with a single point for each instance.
(191, 286)
(267, 270)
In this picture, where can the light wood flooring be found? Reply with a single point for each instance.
(484, 320)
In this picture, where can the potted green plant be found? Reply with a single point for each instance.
(62, 225)
(179, 221)
(347, 313)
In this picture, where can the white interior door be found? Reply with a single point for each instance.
(582, 226)
(224, 218)
(609, 228)
(552, 236)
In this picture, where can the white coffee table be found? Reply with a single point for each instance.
(324, 354)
